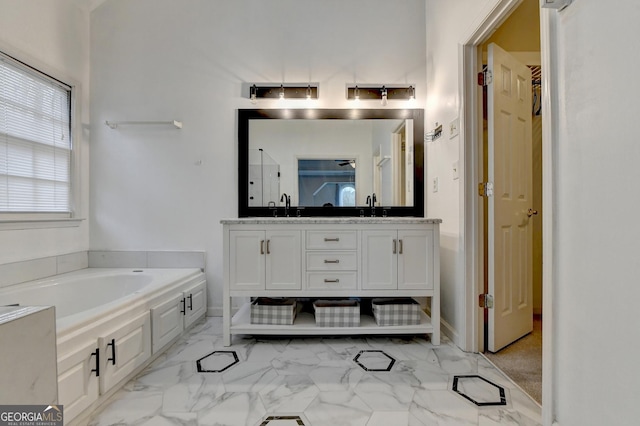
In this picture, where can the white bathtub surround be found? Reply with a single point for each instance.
(28, 352)
(35, 269)
(111, 323)
(146, 259)
(324, 388)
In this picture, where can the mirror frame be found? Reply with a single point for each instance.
(246, 115)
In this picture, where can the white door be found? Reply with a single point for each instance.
(283, 259)
(246, 260)
(509, 227)
(380, 260)
(415, 259)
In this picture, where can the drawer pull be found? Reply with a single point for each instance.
(327, 280)
(332, 261)
(394, 247)
(261, 246)
(268, 251)
(332, 239)
(113, 352)
(97, 355)
(400, 242)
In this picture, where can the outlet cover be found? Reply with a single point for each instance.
(435, 184)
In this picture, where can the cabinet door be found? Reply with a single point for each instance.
(379, 260)
(77, 383)
(246, 260)
(167, 322)
(123, 350)
(415, 259)
(283, 260)
(196, 303)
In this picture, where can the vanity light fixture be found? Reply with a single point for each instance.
(383, 93)
(282, 91)
(253, 94)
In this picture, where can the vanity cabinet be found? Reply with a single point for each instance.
(265, 260)
(397, 259)
(309, 258)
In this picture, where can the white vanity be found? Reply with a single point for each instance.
(328, 257)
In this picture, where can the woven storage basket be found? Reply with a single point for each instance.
(402, 311)
(337, 313)
(265, 310)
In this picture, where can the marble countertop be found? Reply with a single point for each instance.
(11, 313)
(328, 220)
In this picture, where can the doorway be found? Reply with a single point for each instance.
(515, 25)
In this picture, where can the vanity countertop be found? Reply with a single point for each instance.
(396, 220)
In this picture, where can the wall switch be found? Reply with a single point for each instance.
(456, 174)
(454, 128)
(435, 184)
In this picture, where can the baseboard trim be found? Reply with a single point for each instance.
(450, 332)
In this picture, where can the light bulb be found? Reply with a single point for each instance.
(356, 94)
(281, 95)
(309, 93)
(384, 96)
(412, 93)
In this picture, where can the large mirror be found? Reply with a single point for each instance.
(331, 162)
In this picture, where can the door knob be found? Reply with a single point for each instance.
(532, 212)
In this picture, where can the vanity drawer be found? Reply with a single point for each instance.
(332, 261)
(327, 240)
(331, 280)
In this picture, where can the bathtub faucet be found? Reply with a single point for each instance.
(287, 203)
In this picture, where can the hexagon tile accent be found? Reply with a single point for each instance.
(289, 419)
(217, 361)
(374, 360)
(479, 390)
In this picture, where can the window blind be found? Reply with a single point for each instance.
(35, 141)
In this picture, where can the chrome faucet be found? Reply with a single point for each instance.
(287, 203)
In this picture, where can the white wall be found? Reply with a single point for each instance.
(52, 35)
(444, 34)
(162, 59)
(596, 231)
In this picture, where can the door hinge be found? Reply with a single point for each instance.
(486, 301)
(485, 189)
(485, 78)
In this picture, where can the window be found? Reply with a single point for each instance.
(35, 141)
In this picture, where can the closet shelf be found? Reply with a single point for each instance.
(114, 124)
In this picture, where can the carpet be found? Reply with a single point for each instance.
(522, 361)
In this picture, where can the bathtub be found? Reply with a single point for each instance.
(82, 296)
(110, 324)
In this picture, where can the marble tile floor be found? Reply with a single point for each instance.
(332, 381)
